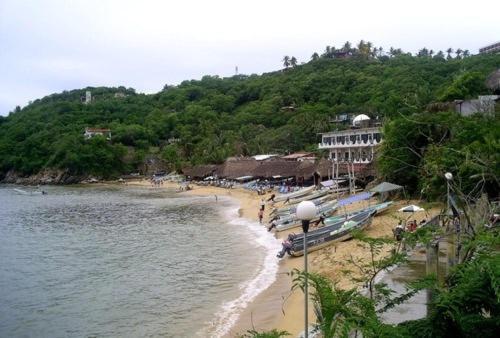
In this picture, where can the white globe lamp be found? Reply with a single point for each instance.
(306, 211)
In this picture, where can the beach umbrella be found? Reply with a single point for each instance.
(411, 208)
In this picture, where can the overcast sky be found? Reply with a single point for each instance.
(48, 46)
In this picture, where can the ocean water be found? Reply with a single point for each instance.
(126, 262)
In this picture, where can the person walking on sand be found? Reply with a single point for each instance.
(262, 204)
(398, 231)
(216, 199)
(261, 215)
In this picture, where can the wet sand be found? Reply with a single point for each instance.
(277, 307)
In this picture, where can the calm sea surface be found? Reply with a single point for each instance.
(126, 262)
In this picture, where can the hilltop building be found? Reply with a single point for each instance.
(494, 48)
(92, 132)
(87, 98)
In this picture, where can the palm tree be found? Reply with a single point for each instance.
(431, 53)
(459, 53)
(466, 53)
(315, 56)
(449, 51)
(380, 51)
(337, 311)
(293, 62)
(423, 52)
(362, 47)
(440, 55)
(347, 47)
(286, 61)
(391, 51)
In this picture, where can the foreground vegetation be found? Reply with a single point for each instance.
(208, 120)
(466, 303)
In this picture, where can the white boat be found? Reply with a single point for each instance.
(294, 194)
(290, 209)
(329, 235)
(293, 221)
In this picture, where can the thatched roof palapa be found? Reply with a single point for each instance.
(237, 167)
(200, 171)
(322, 167)
(276, 168)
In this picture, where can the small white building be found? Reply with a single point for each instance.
(355, 145)
(484, 104)
(91, 132)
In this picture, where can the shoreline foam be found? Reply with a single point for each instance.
(276, 307)
(265, 275)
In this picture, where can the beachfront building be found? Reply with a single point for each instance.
(354, 145)
(92, 132)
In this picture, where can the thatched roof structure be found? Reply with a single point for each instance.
(493, 81)
(200, 171)
(278, 167)
(237, 167)
(323, 168)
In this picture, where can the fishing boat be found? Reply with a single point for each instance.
(290, 209)
(292, 221)
(29, 192)
(323, 237)
(294, 194)
(310, 196)
(378, 208)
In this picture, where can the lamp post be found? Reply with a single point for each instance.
(306, 211)
(449, 177)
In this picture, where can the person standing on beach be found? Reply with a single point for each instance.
(261, 215)
(262, 204)
(216, 199)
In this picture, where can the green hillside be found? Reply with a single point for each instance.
(210, 119)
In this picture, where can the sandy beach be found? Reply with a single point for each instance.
(278, 307)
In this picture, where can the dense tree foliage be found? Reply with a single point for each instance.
(207, 120)
(420, 148)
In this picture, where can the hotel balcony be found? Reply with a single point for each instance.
(349, 144)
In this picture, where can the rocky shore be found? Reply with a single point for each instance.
(47, 176)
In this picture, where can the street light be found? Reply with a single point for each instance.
(449, 177)
(306, 211)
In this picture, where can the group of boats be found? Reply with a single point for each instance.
(330, 228)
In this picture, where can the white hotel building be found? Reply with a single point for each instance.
(355, 145)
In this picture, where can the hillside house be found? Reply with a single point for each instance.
(92, 132)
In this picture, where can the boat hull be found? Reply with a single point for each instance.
(319, 242)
